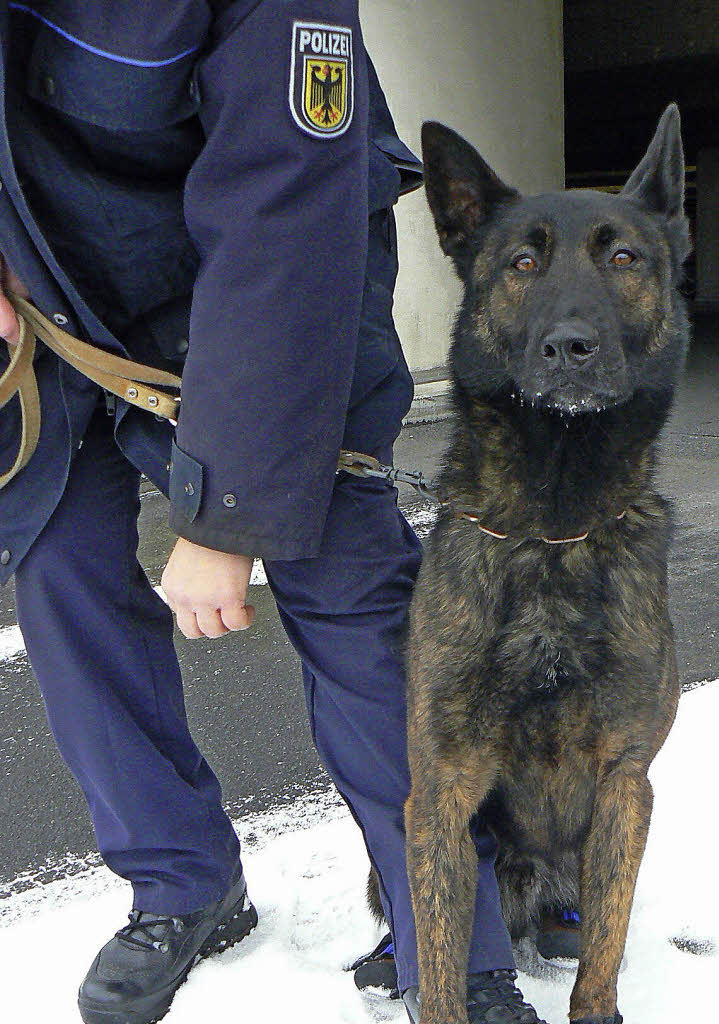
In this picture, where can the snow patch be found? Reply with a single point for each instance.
(422, 519)
(306, 869)
(258, 577)
(11, 643)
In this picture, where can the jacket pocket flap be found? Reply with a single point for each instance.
(113, 92)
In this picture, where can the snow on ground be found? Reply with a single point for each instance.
(11, 643)
(306, 868)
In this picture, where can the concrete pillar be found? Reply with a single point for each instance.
(707, 227)
(494, 73)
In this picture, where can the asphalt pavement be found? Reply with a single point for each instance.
(243, 692)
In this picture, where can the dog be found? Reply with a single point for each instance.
(542, 677)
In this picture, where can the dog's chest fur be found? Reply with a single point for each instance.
(547, 651)
(549, 633)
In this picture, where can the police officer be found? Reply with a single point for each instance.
(267, 119)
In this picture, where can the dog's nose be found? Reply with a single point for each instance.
(571, 343)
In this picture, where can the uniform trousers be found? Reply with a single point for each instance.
(100, 643)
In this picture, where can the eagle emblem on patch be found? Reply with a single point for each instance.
(322, 79)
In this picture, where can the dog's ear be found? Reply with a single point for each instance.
(657, 182)
(462, 190)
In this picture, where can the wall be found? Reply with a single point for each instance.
(494, 73)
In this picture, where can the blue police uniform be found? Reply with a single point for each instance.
(206, 173)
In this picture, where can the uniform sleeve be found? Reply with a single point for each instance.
(276, 204)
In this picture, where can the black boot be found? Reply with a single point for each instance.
(377, 969)
(492, 998)
(133, 978)
(557, 938)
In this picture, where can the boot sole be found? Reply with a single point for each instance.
(155, 1006)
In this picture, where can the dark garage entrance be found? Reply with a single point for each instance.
(623, 63)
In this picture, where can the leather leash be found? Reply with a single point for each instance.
(144, 387)
(122, 377)
(19, 379)
(367, 466)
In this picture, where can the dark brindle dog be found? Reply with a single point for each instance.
(542, 675)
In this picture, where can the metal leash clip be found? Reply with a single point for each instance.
(356, 463)
(359, 464)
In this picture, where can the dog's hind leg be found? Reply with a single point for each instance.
(442, 868)
(611, 856)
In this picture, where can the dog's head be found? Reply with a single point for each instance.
(571, 298)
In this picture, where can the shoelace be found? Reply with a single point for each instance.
(490, 989)
(127, 934)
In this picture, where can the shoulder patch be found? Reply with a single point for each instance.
(322, 79)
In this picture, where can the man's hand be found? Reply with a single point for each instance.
(207, 589)
(9, 327)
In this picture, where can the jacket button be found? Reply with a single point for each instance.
(182, 346)
(229, 501)
(60, 319)
(5, 557)
(189, 489)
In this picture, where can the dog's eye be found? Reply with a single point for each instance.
(524, 263)
(623, 258)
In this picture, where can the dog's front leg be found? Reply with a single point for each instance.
(442, 867)
(610, 861)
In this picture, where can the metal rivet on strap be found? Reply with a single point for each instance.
(189, 489)
(132, 392)
(60, 319)
(229, 501)
(152, 400)
(5, 557)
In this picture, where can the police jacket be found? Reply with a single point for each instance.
(204, 172)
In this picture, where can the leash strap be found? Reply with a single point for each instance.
(120, 376)
(359, 464)
(141, 386)
(115, 374)
(19, 379)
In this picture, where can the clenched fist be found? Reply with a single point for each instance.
(207, 590)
